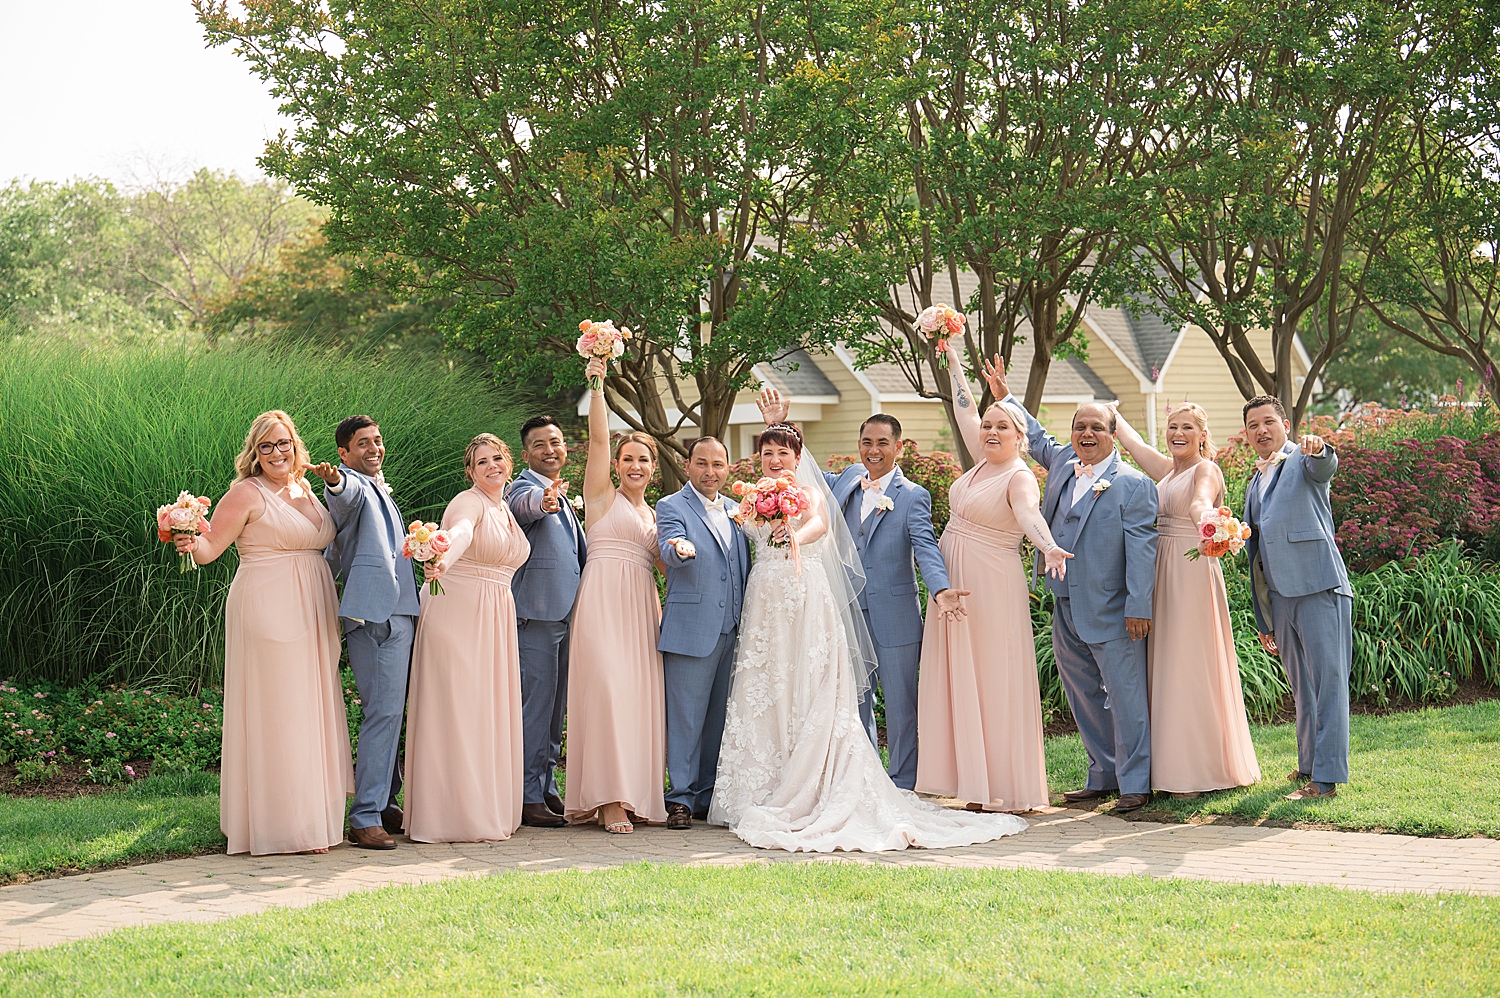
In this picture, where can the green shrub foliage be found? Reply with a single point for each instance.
(92, 442)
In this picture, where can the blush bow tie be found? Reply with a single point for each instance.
(1264, 464)
(867, 484)
(1083, 470)
(715, 503)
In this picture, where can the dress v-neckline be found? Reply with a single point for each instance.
(275, 494)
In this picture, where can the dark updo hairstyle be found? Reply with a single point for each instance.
(785, 434)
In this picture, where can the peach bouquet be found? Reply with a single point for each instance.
(939, 322)
(601, 339)
(426, 542)
(769, 500)
(188, 516)
(1219, 533)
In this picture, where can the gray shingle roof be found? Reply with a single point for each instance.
(798, 374)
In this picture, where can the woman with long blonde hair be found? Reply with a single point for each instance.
(1200, 736)
(286, 767)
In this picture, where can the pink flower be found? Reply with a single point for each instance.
(587, 342)
(788, 504)
(766, 504)
(747, 508)
(765, 485)
(955, 323)
(1207, 529)
(441, 542)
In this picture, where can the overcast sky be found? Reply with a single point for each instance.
(89, 87)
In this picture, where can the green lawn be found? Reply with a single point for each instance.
(158, 817)
(1427, 772)
(803, 929)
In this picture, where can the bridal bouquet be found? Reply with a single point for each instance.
(186, 516)
(426, 542)
(769, 500)
(601, 339)
(1219, 533)
(940, 322)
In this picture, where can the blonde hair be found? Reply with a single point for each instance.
(247, 464)
(485, 440)
(1017, 418)
(646, 440)
(1200, 417)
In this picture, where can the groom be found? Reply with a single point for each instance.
(1301, 594)
(1104, 511)
(379, 613)
(707, 560)
(890, 519)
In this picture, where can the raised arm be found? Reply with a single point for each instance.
(1321, 459)
(459, 520)
(1025, 503)
(1044, 449)
(344, 498)
(242, 504)
(965, 406)
(1152, 461)
(598, 487)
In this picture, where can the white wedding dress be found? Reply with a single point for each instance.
(796, 768)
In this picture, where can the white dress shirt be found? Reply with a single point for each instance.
(867, 501)
(717, 516)
(1082, 485)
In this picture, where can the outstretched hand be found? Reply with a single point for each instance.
(1056, 561)
(950, 603)
(551, 502)
(772, 408)
(994, 375)
(684, 548)
(1312, 445)
(325, 471)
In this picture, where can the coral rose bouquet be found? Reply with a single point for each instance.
(769, 500)
(939, 322)
(188, 516)
(601, 339)
(425, 542)
(1219, 533)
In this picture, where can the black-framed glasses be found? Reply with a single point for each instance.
(285, 446)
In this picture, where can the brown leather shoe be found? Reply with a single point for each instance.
(554, 804)
(1079, 796)
(1131, 802)
(1311, 792)
(679, 816)
(1297, 776)
(541, 816)
(390, 819)
(374, 837)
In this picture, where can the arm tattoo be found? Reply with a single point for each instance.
(960, 393)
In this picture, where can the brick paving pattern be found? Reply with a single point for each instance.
(212, 887)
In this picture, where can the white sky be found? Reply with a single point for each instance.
(89, 87)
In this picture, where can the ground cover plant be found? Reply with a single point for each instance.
(803, 928)
(92, 442)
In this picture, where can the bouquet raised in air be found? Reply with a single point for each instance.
(601, 339)
(426, 542)
(188, 516)
(1219, 533)
(769, 500)
(940, 322)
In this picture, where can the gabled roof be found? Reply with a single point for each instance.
(798, 375)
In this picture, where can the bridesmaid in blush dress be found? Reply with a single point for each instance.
(1200, 737)
(979, 707)
(286, 767)
(617, 728)
(463, 722)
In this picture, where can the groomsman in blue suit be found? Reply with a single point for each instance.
(1303, 602)
(707, 560)
(1104, 511)
(890, 518)
(379, 613)
(544, 589)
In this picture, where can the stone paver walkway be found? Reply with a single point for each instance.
(208, 888)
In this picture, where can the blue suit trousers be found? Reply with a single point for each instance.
(896, 669)
(380, 657)
(1107, 691)
(543, 647)
(697, 698)
(1315, 636)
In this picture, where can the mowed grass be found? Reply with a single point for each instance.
(1427, 772)
(803, 929)
(158, 817)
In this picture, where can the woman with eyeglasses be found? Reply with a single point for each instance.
(286, 768)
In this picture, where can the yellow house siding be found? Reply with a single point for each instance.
(1119, 378)
(1199, 373)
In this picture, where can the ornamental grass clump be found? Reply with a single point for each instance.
(92, 440)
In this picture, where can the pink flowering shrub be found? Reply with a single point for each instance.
(935, 471)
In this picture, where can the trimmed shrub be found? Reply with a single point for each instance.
(94, 442)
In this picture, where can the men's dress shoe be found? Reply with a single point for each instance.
(1131, 802)
(679, 816)
(541, 816)
(1311, 792)
(374, 837)
(1079, 796)
(701, 815)
(1297, 776)
(390, 819)
(554, 804)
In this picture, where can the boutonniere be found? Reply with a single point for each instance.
(382, 484)
(885, 504)
(576, 502)
(1277, 458)
(1099, 486)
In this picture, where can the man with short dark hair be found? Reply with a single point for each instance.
(1303, 602)
(544, 589)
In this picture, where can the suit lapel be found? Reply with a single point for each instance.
(1091, 497)
(1276, 474)
(690, 497)
(877, 516)
(1056, 490)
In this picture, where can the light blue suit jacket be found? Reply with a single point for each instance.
(704, 593)
(1113, 540)
(1292, 548)
(366, 552)
(890, 545)
(545, 587)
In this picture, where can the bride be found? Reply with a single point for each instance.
(797, 770)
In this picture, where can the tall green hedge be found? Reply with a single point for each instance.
(92, 442)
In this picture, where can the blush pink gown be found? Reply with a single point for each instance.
(463, 721)
(617, 723)
(1200, 737)
(286, 768)
(979, 707)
